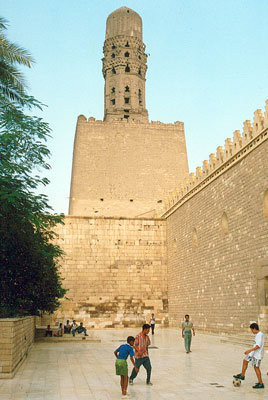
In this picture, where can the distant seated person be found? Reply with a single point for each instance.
(67, 327)
(74, 327)
(81, 329)
(60, 331)
(48, 331)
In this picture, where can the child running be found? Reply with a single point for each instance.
(121, 367)
(254, 355)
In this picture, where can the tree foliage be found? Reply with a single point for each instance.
(30, 281)
(12, 82)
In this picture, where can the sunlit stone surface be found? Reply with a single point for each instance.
(85, 371)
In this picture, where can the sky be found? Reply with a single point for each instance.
(207, 67)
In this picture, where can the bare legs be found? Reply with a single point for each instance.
(244, 367)
(257, 371)
(124, 383)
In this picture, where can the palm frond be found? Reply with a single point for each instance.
(3, 23)
(11, 52)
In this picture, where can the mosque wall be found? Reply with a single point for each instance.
(217, 231)
(115, 270)
(125, 169)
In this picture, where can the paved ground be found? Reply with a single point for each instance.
(85, 371)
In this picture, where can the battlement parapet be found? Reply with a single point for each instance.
(81, 119)
(224, 158)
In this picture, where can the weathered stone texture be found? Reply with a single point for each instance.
(115, 270)
(217, 249)
(125, 169)
(124, 67)
(16, 337)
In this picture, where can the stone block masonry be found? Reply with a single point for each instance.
(115, 270)
(217, 242)
(16, 337)
(125, 169)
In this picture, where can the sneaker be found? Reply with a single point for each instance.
(149, 383)
(131, 381)
(258, 386)
(239, 376)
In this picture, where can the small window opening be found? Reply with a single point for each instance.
(127, 45)
(139, 48)
(139, 57)
(140, 98)
(113, 46)
(126, 100)
(126, 116)
(101, 199)
(127, 89)
(126, 111)
(113, 71)
(127, 11)
(127, 69)
(113, 102)
(139, 71)
(131, 200)
(113, 90)
(159, 201)
(113, 55)
(127, 54)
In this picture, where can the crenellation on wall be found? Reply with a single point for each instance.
(253, 135)
(217, 249)
(122, 168)
(153, 124)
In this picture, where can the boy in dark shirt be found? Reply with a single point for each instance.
(121, 367)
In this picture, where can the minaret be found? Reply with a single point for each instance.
(124, 67)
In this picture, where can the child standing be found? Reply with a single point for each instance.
(254, 355)
(121, 367)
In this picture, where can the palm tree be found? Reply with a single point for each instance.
(12, 82)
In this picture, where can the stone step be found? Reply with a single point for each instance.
(67, 338)
(245, 340)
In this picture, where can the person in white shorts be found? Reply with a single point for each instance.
(254, 356)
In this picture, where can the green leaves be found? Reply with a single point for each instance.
(30, 281)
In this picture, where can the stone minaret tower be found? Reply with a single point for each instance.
(124, 166)
(124, 67)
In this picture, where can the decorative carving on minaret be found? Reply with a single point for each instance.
(124, 68)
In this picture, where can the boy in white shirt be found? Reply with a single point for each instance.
(254, 355)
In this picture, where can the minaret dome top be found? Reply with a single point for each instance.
(124, 21)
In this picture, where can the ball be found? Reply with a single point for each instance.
(236, 382)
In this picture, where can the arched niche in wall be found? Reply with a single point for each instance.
(175, 247)
(224, 224)
(195, 238)
(265, 203)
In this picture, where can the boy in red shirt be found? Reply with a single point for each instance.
(141, 344)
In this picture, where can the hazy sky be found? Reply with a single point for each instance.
(208, 67)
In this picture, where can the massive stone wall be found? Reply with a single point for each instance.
(217, 229)
(115, 270)
(125, 169)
